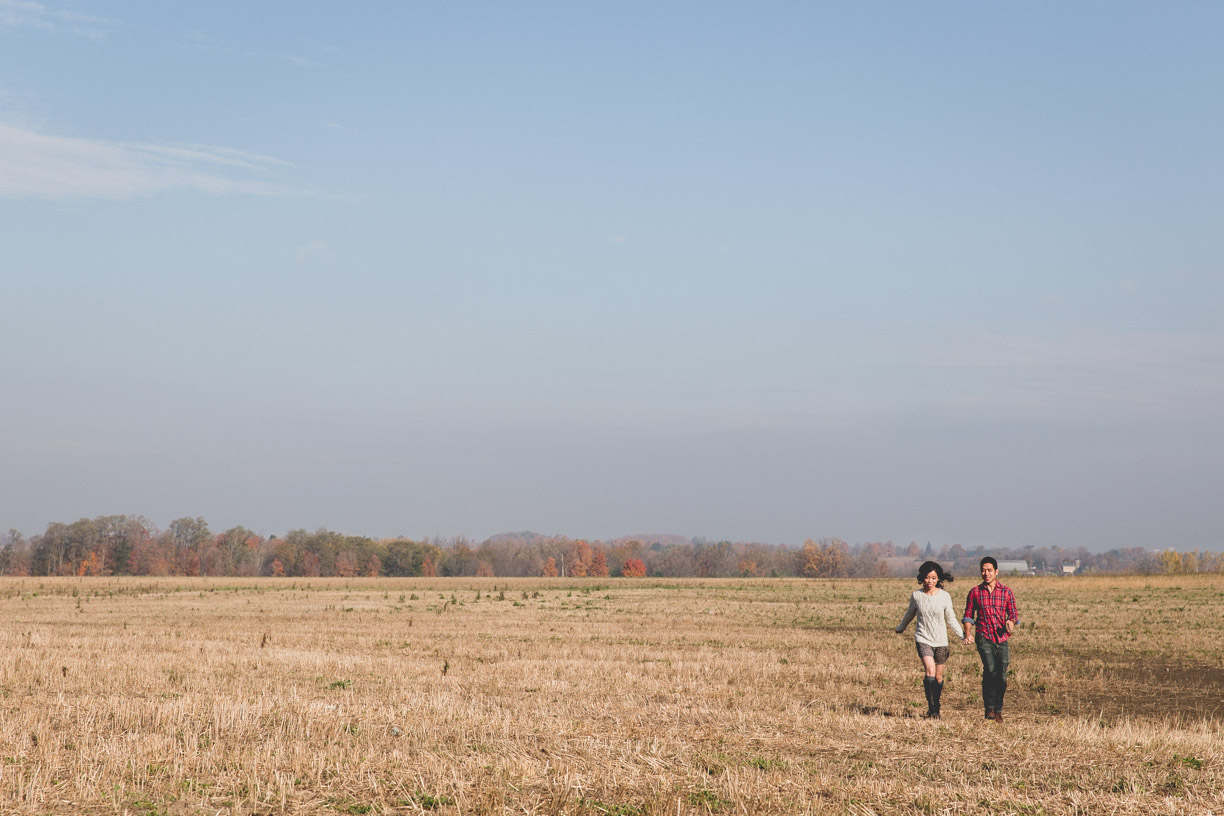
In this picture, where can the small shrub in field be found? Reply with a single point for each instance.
(427, 801)
(709, 800)
(611, 810)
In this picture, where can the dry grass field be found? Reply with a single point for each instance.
(590, 696)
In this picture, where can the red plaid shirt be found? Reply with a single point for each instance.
(990, 611)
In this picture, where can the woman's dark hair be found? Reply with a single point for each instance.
(930, 566)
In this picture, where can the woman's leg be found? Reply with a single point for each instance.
(929, 668)
(941, 664)
(928, 681)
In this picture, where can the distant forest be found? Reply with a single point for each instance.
(131, 545)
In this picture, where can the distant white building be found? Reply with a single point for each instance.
(1070, 567)
(1018, 567)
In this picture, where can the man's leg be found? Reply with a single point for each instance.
(986, 651)
(1002, 657)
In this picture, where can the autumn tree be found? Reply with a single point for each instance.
(581, 556)
(633, 568)
(828, 559)
(463, 558)
(190, 534)
(711, 560)
(1170, 561)
(549, 569)
(599, 564)
(346, 564)
(311, 568)
(91, 564)
(15, 554)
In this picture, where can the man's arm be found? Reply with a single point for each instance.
(970, 628)
(969, 631)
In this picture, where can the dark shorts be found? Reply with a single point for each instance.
(940, 653)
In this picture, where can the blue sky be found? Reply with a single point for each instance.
(936, 272)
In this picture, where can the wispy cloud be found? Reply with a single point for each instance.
(37, 165)
(27, 14)
(1085, 375)
(315, 251)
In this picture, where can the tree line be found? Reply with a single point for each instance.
(131, 545)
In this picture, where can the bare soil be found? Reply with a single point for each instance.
(1134, 686)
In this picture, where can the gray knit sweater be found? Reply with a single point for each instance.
(933, 612)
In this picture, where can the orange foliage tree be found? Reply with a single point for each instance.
(346, 564)
(580, 558)
(828, 559)
(633, 568)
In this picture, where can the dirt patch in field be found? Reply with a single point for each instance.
(1135, 687)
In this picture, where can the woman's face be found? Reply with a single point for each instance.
(930, 580)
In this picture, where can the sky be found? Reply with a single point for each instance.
(946, 272)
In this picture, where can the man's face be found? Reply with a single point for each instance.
(988, 573)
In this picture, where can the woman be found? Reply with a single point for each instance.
(933, 608)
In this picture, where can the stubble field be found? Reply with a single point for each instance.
(596, 696)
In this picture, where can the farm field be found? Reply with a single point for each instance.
(223, 697)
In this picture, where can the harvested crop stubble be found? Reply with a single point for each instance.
(591, 696)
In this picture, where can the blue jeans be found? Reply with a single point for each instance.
(994, 672)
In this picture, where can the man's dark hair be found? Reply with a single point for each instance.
(989, 560)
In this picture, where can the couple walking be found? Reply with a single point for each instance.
(990, 609)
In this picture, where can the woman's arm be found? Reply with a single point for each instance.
(910, 612)
(950, 617)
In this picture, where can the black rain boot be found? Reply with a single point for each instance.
(936, 691)
(928, 686)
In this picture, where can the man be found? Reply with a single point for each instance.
(991, 609)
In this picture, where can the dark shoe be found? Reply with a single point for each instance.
(998, 716)
(990, 715)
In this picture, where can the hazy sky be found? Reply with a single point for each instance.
(947, 272)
